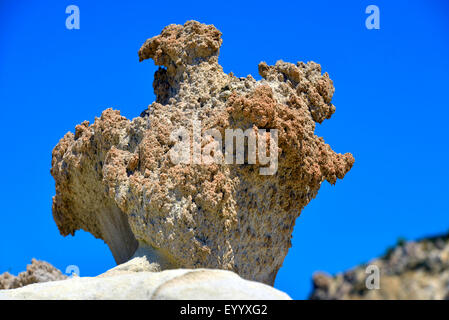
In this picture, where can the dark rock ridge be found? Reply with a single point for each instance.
(115, 178)
(410, 270)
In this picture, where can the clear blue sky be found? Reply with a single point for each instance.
(391, 97)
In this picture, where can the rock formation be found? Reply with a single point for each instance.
(411, 270)
(37, 271)
(137, 280)
(116, 178)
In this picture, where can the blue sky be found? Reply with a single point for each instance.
(391, 99)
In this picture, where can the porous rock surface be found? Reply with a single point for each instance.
(136, 280)
(414, 270)
(115, 178)
(37, 271)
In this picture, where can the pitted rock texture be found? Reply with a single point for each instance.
(115, 178)
(37, 271)
(414, 270)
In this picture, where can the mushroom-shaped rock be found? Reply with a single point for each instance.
(118, 178)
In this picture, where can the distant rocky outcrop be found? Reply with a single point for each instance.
(37, 271)
(116, 179)
(139, 280)
(411, 270)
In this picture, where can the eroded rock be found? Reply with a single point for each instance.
(37, 271)
(116, 180)
(414, 270)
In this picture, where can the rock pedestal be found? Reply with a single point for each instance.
(115, 178)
